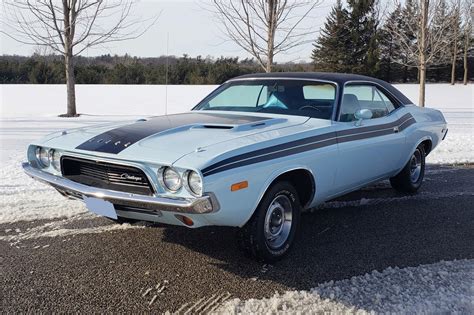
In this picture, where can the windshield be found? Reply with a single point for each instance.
(288, 97)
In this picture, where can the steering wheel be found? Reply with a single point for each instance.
(310, 107)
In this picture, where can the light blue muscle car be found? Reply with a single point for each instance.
(253, 154)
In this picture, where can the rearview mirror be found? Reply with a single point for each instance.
(362, 114)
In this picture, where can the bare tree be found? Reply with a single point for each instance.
(455, 27)
(265, 28)
(467, 13)
(423, 38)
(69, 27)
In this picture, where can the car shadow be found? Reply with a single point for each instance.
(342, 240)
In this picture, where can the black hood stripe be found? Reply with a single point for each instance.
(116, 140)
(308, 144)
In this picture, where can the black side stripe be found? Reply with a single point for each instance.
(272, 149)
(308, 144)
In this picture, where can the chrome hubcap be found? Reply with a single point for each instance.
(278, 220)
(415, 166)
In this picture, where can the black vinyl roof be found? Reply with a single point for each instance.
(339, 78)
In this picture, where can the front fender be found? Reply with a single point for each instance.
(238, 207)
(282, 171)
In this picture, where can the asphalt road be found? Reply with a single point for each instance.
(373, 228)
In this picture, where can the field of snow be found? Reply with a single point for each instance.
(20, 100)
(48, 100)
(29, 112)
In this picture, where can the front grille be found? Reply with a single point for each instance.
(106, 175)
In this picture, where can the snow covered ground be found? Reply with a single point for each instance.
(444, 287)
(20, 100)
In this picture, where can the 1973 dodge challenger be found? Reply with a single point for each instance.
(253, 154)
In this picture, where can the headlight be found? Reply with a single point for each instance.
(171, 179)
(55, 159)
(42, 155)
(194, 183)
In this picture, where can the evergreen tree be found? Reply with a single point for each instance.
(349, 39)
(389, 47)
(409, 16)
(331, 49)
(363, 24)
(440, 17)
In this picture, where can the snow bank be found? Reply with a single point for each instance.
(457, 148)
(444, 287)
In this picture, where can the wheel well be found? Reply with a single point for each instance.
(427, 145)
(303, 182)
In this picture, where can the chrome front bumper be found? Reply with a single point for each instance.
(204, 204)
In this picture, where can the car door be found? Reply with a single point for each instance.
(369, 149)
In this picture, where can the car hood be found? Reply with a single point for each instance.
(165, 139)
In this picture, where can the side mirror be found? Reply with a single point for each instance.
(362, 114)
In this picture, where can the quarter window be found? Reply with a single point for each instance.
(358, 97)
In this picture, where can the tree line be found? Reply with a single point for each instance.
(109, 69)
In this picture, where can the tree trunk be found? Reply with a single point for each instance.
(69, 15)
(271, 20)
(405, 74)
(455, 53)
(422, 70)
(268, 66)
(71, 85)
(466, 47)
(421, 99)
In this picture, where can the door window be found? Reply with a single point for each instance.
(362, 96)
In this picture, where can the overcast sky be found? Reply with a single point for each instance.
(192, 30)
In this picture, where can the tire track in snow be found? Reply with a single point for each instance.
(60, 229)
(204, 305)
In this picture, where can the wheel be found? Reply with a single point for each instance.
(410, 178)
(270, 232)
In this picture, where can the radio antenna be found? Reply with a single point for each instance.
(167, 70)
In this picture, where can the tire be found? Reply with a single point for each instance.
(266, 237)
(410, 178)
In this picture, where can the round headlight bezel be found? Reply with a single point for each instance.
(188, 175)
(164, 181)
(55, 159)
(42, 157)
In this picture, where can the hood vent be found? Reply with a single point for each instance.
(217, 126)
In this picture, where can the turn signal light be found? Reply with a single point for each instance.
(239, 186)
(185, 220)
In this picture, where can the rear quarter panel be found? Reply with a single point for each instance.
(430, 125)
